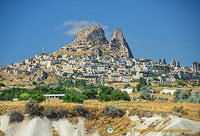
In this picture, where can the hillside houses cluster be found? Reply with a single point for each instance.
(92, 57)
(102, 69)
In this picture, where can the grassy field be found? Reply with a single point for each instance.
(7, 107)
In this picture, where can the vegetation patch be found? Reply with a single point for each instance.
(16, 117)
(33, 109)
(180, 110)
(113, 111)
(81, 111)
(185, 96)
(50, 113)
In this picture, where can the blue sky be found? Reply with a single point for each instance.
(154, 29)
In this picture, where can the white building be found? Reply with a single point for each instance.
(167, 91)
(49, 63)
(57, 96)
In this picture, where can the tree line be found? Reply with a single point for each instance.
(75, 91)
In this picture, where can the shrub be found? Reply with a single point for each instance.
(153, 98)
(119, 95)
(34, 82)
(2, 85)
(180, 82)
(62, 113)
(145, 93)
(134, 90)
(81, 111)
(33, 109)
(180, 110)
(163, 98)
(51, 113)
(126, 85)
(195, 97)
(181, 95)
(16, 117)
(113, 111)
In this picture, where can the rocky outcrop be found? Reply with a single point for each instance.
(178, 64)
(93, 38)
(87, 38)
(42, 76)
(118, 43)
(173, 63)
(164, 61)
(159, 61)
(94, 34)
(196, 66)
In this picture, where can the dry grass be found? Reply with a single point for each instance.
(54, 132)
(120, 125)
(73, 120)
(6, 107)
(121, 85)
(95, 106)
(14, 81)
(2, 133)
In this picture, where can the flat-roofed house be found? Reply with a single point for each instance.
(51, 96)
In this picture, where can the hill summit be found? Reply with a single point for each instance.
(92, 42)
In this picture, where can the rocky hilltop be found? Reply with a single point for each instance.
(93, 58)
(92, 42)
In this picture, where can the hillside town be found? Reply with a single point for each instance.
(92, 58)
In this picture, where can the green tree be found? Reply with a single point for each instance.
(180, 82)
(73, 96)
(142, 82)
(59, 56)
(119, 95)
(59, 83)
(65, 74)
(80, 83)
(90, 93)
(145, 93)
(2, 85)
(38, 97)
(195, 97)
(24, 96)
(34, 82)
